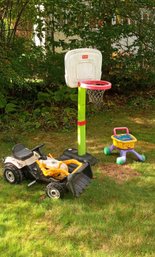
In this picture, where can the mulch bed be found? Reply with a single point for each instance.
(120, 173)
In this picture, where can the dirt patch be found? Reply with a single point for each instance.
(119, 173)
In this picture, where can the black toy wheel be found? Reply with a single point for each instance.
(55, 190)
(12, 174)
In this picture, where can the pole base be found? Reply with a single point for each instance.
(73, 154)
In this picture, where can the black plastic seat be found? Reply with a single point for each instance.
(22, 153)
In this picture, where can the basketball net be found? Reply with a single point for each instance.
(95, 96)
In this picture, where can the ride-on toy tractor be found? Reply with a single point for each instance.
(60, 176)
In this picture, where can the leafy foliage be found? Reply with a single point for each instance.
(32, 77)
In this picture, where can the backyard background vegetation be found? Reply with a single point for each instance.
(115, 216)
(32, 77)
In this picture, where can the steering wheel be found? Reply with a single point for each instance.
(38, 150)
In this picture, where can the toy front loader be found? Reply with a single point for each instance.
(79, 179)
(60, 176)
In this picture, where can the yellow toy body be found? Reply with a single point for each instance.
(57, 169)
(124, 145)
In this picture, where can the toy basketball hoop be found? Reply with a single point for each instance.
(95, 89)
(83, 71)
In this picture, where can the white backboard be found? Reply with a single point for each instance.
(82, 64)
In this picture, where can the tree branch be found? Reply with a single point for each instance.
(17, 20)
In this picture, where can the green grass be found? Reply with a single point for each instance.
(114, 217)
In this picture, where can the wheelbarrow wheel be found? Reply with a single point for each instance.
(107, 150)
(55, 190)
(143, 158)
(12, 174)
(120, 160)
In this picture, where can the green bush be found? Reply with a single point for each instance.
(52, 69)
(45, 118)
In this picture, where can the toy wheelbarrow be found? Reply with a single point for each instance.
(124, 143)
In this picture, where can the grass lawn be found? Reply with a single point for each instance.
(114, 217)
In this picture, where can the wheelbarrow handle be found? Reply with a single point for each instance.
(120, 128)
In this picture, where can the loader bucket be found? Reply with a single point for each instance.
(78, 181)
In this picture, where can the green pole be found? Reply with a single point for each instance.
(81, 121)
